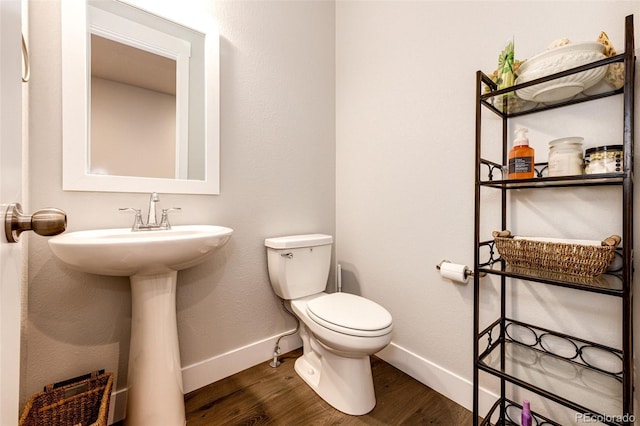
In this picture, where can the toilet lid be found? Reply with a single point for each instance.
(350, 314)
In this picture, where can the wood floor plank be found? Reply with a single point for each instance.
(263, 395)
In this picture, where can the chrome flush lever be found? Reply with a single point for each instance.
(45, 222)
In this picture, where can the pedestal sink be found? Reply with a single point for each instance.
(151, 259)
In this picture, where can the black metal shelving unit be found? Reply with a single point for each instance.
(496, 351)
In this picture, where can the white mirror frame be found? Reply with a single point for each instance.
(75, 176)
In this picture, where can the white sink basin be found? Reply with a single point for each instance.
(151, 259)
(121, 252)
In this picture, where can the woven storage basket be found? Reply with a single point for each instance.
(78, 402)
(565, 258)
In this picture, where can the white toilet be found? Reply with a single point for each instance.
(339, 330)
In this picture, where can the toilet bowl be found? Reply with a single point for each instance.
(344, 322)
(339, 331)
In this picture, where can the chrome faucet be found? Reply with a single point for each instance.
(152, 218)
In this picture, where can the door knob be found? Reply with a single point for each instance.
(44, 222)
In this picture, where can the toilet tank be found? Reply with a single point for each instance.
(299, 264)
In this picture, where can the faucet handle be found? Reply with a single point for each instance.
(137, 221)
(164, 221)
(131, 209)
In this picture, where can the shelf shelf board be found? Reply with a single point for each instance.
(513, 418)
(555, 378)
(507, 103)
(610, 284)
(602, 179)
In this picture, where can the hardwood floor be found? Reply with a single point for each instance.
(263, 395)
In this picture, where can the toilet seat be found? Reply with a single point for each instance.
(350, 314)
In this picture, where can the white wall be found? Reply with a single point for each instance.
(405, 129)
(395, 91)
(278, 177)
(116, 149)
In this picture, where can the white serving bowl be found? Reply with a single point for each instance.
(557, 60)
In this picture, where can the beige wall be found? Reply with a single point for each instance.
(133, 130)
(405, 129)
(399, 179)
(277, 177)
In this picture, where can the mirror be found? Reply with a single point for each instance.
(140, 99)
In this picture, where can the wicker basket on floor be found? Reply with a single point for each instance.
(83, 401)
(562, 257)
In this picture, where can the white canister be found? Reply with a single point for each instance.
(565, 156)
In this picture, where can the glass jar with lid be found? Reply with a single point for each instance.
(604, 159)
(565, 156)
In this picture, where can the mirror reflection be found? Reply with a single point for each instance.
(133, 111)
(142, 83)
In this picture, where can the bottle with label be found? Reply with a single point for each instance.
(521, 157)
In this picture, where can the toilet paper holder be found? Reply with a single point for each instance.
(467, 271)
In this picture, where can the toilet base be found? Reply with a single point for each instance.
(343, 382)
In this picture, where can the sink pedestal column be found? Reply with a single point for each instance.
(155, 393)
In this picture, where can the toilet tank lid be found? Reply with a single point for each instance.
(296, 241)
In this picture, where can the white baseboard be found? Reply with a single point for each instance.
(117, 406)
(443, 381)
(211, 370)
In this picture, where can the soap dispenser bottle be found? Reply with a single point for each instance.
(521, 157)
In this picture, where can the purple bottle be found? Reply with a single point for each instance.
(525, 418)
